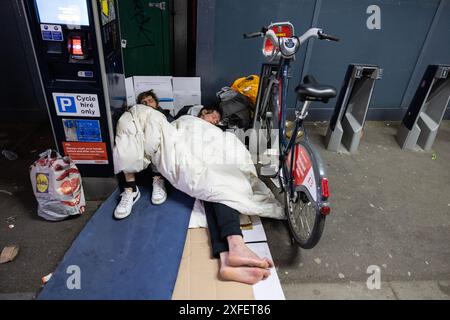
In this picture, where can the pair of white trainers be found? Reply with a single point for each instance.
(129, 198)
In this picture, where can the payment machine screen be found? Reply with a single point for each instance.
(73, 12)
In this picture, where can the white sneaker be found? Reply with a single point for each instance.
(128, 199)
(159, 194)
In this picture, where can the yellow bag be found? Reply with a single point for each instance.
(248, 86)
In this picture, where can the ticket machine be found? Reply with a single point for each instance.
(77, 48)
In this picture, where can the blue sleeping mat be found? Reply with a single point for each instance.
(134, 258)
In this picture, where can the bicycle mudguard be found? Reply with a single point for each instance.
(308, 170)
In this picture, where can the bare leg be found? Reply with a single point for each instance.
(248, 275)
(240, 255)
(129, 177)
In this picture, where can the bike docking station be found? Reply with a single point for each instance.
(78, 54)
(77, 50)
(350, 113)
(426, 111)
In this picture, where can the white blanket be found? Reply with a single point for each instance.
(196, 157)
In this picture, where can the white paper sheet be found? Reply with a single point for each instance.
(269, 289)
(256, 234)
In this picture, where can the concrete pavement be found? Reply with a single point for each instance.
(390, 208)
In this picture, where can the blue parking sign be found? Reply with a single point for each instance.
(66, 104)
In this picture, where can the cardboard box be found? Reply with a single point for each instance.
(186, 92)
(162, 86)
(173, 92)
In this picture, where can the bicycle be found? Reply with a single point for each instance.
(300, 171)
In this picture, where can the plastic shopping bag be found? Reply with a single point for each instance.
(57, 186)
(248, 86)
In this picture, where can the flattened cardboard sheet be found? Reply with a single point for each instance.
(198, 276)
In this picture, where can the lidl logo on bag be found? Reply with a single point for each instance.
(41, 183)
(66, 104)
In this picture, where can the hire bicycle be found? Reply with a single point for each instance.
(299, 169)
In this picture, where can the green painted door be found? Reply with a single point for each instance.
(145, 32)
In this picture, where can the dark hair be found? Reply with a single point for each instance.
(211, 109)
(145, 94)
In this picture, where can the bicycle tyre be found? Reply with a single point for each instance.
(304, 210)
(314, 236)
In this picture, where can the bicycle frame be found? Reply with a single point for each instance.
(300, 171)
(285, 146)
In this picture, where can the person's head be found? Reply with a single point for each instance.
(212, 114)
(148, 98)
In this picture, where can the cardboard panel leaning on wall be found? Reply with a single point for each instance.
(173, 92)
(186, 91)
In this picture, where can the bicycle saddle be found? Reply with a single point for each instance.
(311, 90)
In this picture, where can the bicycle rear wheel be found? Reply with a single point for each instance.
(303, 208)
(305, 221)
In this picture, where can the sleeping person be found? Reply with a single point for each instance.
(201, 160)
(127, 180)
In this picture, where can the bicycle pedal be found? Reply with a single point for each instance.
(269, 171)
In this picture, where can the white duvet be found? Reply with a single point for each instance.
(195, 157)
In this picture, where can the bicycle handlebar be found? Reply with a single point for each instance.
(253, 35)
(259, 34)
(311, 33)
(324, 36)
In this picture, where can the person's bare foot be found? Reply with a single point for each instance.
(240, 255)
(246, 275)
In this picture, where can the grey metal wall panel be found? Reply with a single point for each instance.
(436, 49)
(411, 37)
(20, 92)
(231, 56)
(395, 47)
(206, 12)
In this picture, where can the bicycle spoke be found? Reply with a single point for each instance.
(301, 220)
(309, 228)
(302, 217)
